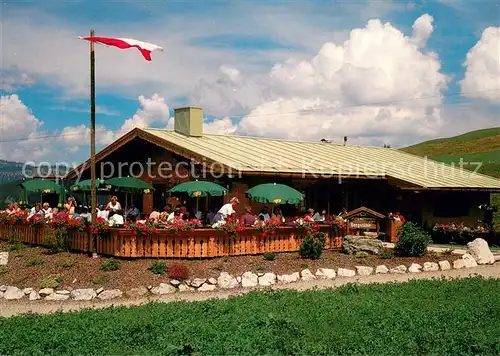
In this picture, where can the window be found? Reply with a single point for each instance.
(451, 205)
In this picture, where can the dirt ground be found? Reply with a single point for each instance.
(29, 266)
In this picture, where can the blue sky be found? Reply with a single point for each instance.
(200, 37)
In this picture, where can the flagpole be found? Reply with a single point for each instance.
(93, 196)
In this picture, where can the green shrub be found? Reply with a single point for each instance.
(269, 256)
(387, 254)
(51, 282)
(102, 279)
(67, 263)
(313, 245)
(413, 240)
(38, 261)
(3, 270)
(13, 246)
(58, 240)
(110, 265)
(362, 254)
(158, 267)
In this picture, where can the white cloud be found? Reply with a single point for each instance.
(422, 29)
(18, 129)
(154, 110)
(482, 74)
(13, 81)
(367, 87)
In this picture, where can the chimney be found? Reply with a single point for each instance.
(345, 140)
(189, 121)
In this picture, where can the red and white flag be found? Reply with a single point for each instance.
(124, 43)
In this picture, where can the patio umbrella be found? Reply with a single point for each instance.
(84, 185)
(199, 189)
(42, 186)
(275, 194)
(129, 185)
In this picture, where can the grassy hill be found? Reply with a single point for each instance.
(472, 147)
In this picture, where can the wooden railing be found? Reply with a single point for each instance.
(200, 243)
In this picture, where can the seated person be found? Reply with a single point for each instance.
(264, 214)
(320, 217)
(248, 219)
(133, 213)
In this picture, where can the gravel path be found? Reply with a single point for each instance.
(10, 308)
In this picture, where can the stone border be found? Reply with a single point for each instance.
(225, 281)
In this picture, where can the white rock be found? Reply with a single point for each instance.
(13, 293)
(344, 272)
(187, 282)
(3, 288)
(319, 274)
(289, 278)
(226, 281)
(83, 294)
(4, 258)
(111, 294)
(307, 275)
(99, 290)
(430, 267)
(212, 280)
(480, 251)
(260, 274)
(401, 269)
(328, 273)
(207, 288)
(1, 295)
(364, 270)
(55, 296)
(75, 280)
(444, 265)
(35, 296)
(185, 288)
(238, 279)
(382, 269)
(27, 291)
(63, 292)
(198, 282)
(163, 288)
(469, 261)
(175, 282)
(415, 268)
(458, 264)
(137, 292)
(267, 280)
(46, 291)
(249, 280)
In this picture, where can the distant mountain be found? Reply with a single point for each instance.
(10, 171)
(475, 146)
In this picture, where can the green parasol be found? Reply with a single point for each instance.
(275, 194)
(198, 189)
(84, 185)
(41, 185)
(129, 184)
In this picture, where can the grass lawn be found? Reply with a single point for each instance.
(433, 317)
